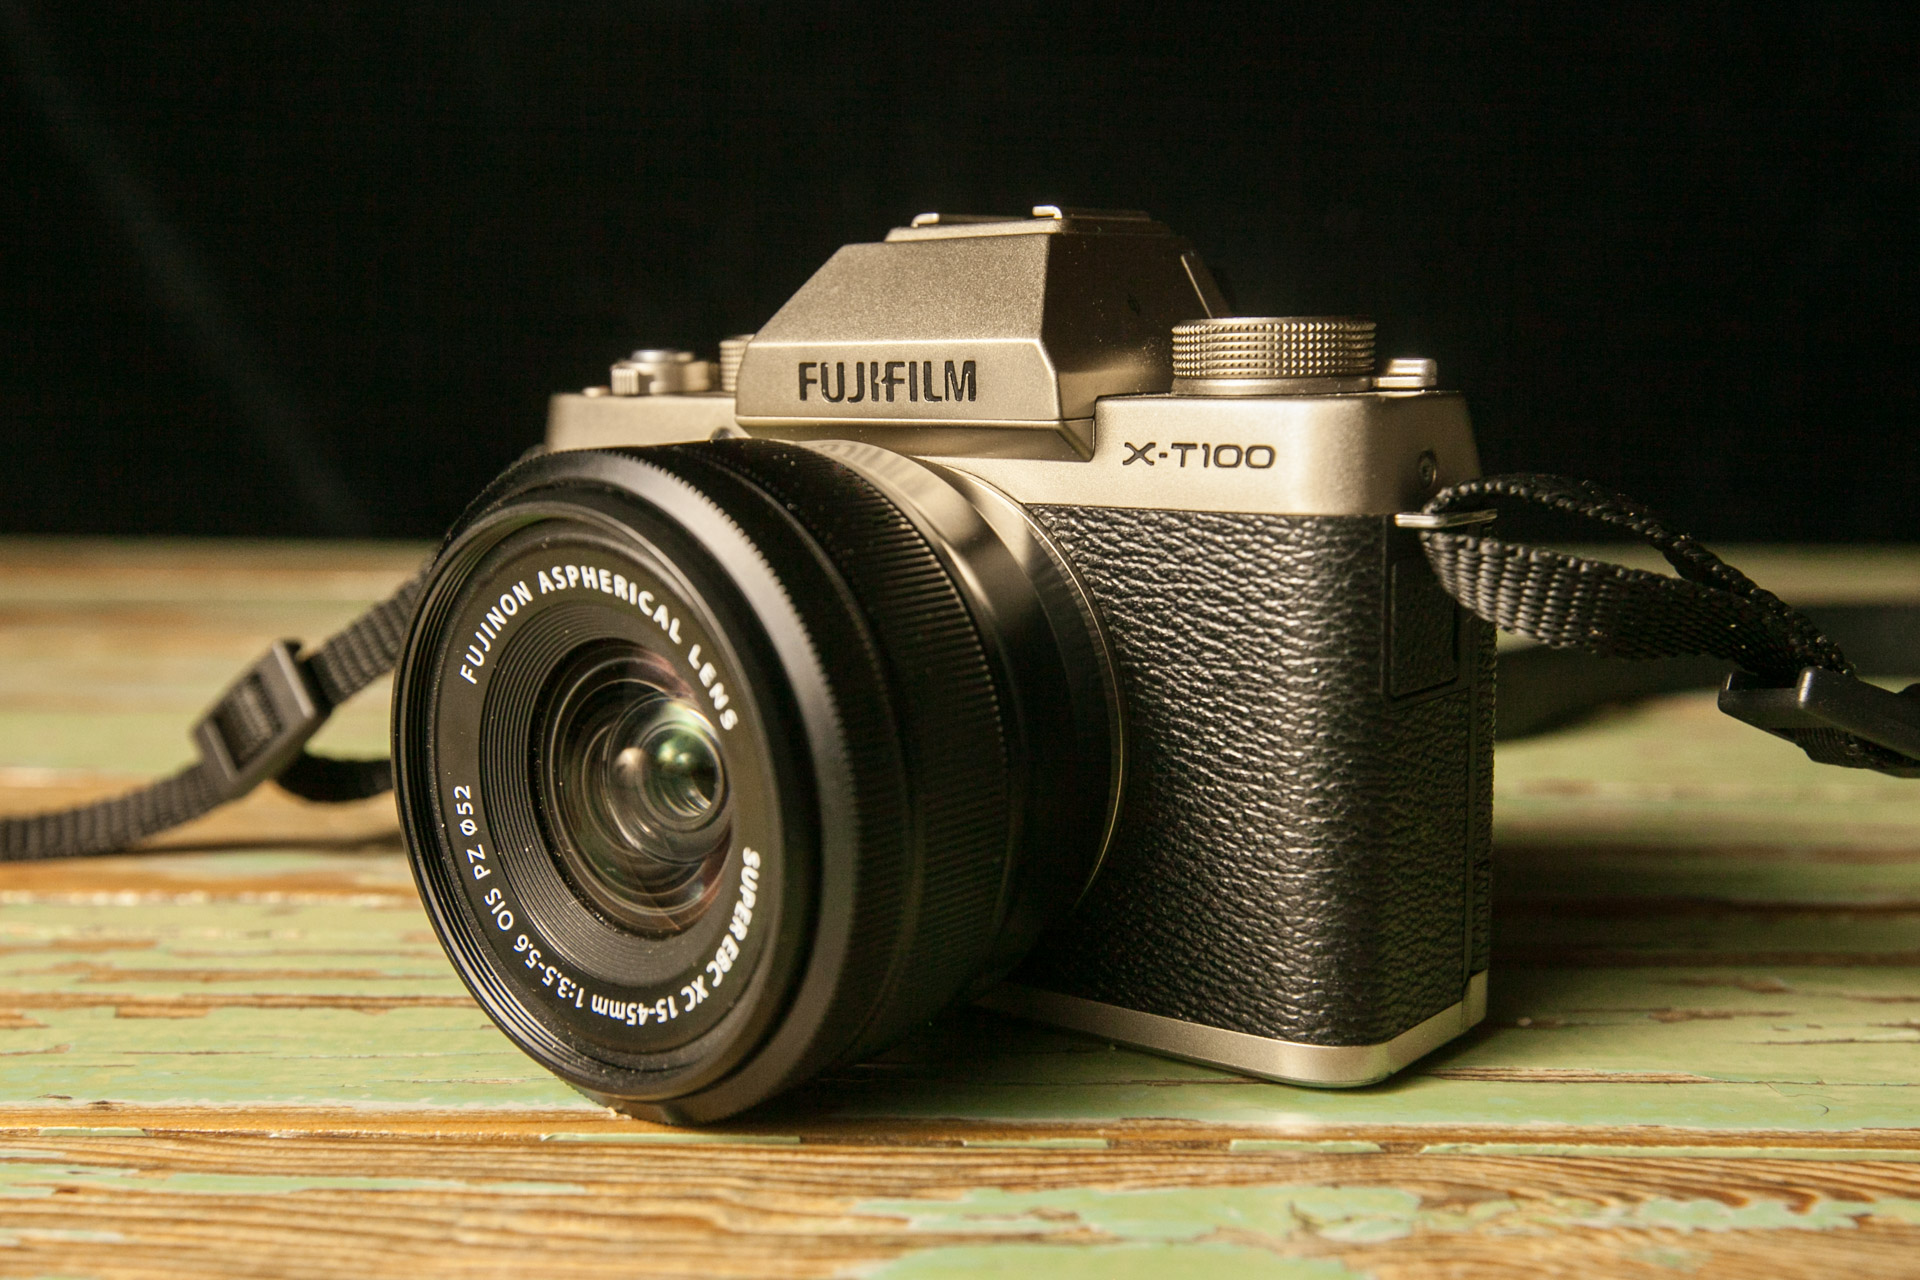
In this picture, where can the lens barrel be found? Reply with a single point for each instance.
(723, 763)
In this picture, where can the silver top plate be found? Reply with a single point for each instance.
(1018, 324)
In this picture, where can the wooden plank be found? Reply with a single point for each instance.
(249, 1056)
(116, 1204)
(310, 968)
(109, 650)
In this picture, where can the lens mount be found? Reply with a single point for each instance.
(723, 763)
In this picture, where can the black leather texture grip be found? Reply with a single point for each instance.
(1304, 842)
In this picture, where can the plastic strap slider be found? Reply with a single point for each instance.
(1822, 699)
(261, 723)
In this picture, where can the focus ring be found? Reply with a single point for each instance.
(1264, 347)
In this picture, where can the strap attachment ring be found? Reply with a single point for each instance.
(1435, 521)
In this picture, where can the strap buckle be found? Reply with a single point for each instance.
(1822, 699)
(260, 723)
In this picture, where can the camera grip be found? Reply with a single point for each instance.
(1303, 850)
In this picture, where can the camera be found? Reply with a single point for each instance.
(1002, 620)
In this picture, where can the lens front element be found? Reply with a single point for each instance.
(674, 769)
(633, 788)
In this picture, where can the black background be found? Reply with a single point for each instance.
(286, 269)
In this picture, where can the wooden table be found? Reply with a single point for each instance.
(248, 1056)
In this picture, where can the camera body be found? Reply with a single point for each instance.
(1295, 879)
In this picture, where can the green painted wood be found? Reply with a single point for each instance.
(349, 1001)
(1176, 1231)
(109, 650)
(1681, 899)
(1675, 774)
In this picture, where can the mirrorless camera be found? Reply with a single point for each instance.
(1003, 620)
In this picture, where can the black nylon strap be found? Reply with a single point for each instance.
(345, 664)
(367, 648)
(108, 826)
(1569, 602)
(332, 780)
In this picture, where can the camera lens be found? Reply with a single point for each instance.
(674, 769)
(633, 787)
(722, 763)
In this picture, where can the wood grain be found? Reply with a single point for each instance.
(170, 1203)
(246, 1056)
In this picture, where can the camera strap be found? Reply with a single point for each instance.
(257, 730)
(1790, 678)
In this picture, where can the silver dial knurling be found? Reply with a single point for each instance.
(732, 351)
(1273, 347)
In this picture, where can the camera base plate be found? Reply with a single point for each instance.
(1286, 1061)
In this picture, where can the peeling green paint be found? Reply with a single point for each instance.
(33, 1180)
(1259, 1146)
(260, 975)
(677, 1138)
(1592, 870)
(1674, 1259)
(1412, 1099)
(59, 1235)
(1109, 1262)
(150, 733)
(1753, 1214)
(1281, 1214)
(1675, 774)
(1275, 1212)
(1907, 1211)
(446, 1056)
(1616, 1151)
(1700, 1047)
